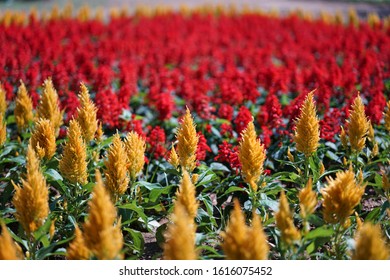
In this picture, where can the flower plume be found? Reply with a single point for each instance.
(307, 133)
(251, 155)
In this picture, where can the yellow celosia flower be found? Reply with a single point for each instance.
(180, 236)
(8, 249)
(322, 168)
(340, 197)
(289, 155)
(387, 116)
(343, 138)
(3, 130)
(23, 108)
(358, 126)
(48, 107)
(77, 249)
(73, 164)
(186, 195)
(284, 222)
(87, 114)
(359, 222)
(370, 244)
(102, 237)
(99, 132)
(173, 158)
(43, 139)
(31, 201)
(52, 229)
(251, 155)
(371, 132)
(307, 133)
(117, 179)
(135, 149)
(3, 101)
(241, 242)
(307, 200)
(187, 143)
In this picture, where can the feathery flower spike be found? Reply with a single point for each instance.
(117, 179)
(48, 107)
(252, 156)
(307, 132)
(340, 197)
(87, 114)
(241, 242)
(186, 195)
(135, 149)
(8, 249)
(358, 125)
(284, 221)
(103, 238)
(370, 244)
(187, 142)
(31, 200)
(23, 108)
(43, 139)
(73, 164)
(180, 236)
(77, 249)
(307, 200)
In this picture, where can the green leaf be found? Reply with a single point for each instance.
(53, 175)
(137, 209)
(320, 232)
(137, 239)
(216, 166)
(234, 189)
(207, 179)
(332, 156)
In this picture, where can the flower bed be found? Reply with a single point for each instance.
(112, 131)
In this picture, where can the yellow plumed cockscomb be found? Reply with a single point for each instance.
(173, 158)
(370, 244)
(102, 233)
(117, 179)
(307, 133)
(31, 200)
(8, 249)
(3, 130)
(340, 197)
(358, 125)
(180, 236)
(135, 150)
(252, 156)
(73, 164)
(48, 107)
(43, 139)
(77, 249)
(307, 200)
(23, 108)
(3, 101)
(186, 195)
(285, 223)
(241, 242)
(187, 142)
(87, 114)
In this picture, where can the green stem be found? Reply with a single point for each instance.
(337, 242)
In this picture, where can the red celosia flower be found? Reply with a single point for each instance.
(242, 119)
(202, 148)
(226, 112)
(229, 154)
(156, 142)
